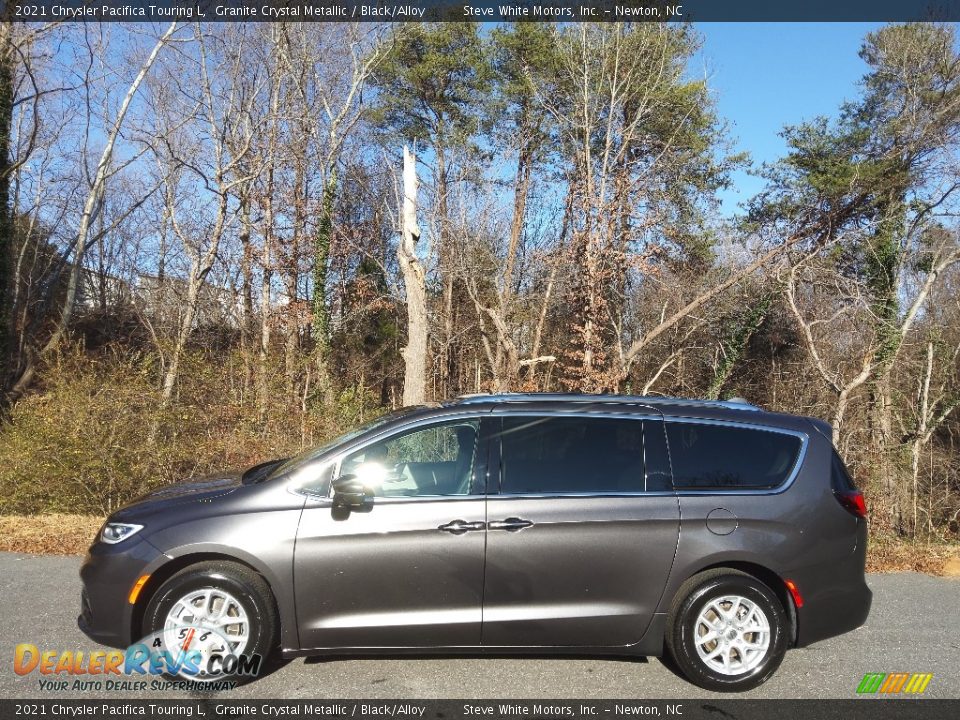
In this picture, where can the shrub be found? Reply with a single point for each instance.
(97, 434)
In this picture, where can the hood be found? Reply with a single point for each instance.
(202, 490)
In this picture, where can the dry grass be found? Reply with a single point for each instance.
(886, 554)
(61, 534)
(55, 534)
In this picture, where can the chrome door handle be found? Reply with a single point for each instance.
(511, 524)
(459, 527)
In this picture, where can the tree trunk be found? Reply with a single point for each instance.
(246, 293)
(183, 333)
(321, 315)
(921, 435)
(199, 270)
(291, 345)
(321, 257)
(446, 272)
(881, 412)
(521, 190)
(6, 221)
(415, 352)
(266, 278)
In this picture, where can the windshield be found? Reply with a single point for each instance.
(308, 456)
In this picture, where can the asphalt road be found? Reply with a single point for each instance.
(914, 627)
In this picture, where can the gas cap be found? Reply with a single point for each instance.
(721, 521)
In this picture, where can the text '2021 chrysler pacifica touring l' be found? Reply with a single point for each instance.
(715, 533)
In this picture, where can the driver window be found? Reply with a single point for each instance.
(431, 461)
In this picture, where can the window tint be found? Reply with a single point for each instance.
(724, 456)
(436, 460)
(839, 475)
(313, 479)
(308, 457)
(555, 455)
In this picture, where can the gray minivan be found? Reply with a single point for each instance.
(715, 533)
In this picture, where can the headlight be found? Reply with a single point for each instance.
(114, 532)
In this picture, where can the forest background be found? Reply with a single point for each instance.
(204, 263)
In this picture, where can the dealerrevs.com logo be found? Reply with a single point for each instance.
(187, 657)
(894, 683)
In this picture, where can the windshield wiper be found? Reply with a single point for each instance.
(258, 473)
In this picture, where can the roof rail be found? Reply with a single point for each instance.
(732, 404)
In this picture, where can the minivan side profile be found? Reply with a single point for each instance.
(715, 533)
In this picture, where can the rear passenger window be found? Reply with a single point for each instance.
(557, 455)
(707, 456)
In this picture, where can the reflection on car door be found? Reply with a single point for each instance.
(407, 570)
(582, 534)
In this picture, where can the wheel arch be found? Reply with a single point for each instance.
(170, 568)
(768, 577)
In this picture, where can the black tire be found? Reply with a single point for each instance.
(690, 601)
(245, 585)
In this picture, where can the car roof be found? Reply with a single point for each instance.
(733, 410)
(658, 401)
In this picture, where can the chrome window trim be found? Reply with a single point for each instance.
(628, 412)
(581, 496)
(602, 399)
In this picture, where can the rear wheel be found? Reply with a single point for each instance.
(727, 631)
(230, 601)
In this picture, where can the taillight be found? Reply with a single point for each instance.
(852, 501)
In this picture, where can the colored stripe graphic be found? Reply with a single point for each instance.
(893, 683)
(870, 683)
(918, 683)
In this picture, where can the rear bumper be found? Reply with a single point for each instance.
(836, 597)
(108, 574)
(833, 613)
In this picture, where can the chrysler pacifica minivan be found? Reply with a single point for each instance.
(714, 533)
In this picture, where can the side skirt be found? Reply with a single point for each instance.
(650, 645)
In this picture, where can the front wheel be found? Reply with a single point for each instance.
(727, 631)
(223, 613)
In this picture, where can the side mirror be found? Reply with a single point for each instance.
(349, 492)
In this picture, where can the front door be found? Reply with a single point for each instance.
(582, 535)
(407, 569)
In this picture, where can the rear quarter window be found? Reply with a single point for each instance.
(726, 457)
(840, 477)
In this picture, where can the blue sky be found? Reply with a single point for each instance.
(767, 75)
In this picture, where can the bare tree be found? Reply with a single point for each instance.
(414, 281)
(931, 411)
(85, 237)
(227, 139)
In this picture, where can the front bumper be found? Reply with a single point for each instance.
(108, 574)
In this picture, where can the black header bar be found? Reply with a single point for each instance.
(481, 10)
